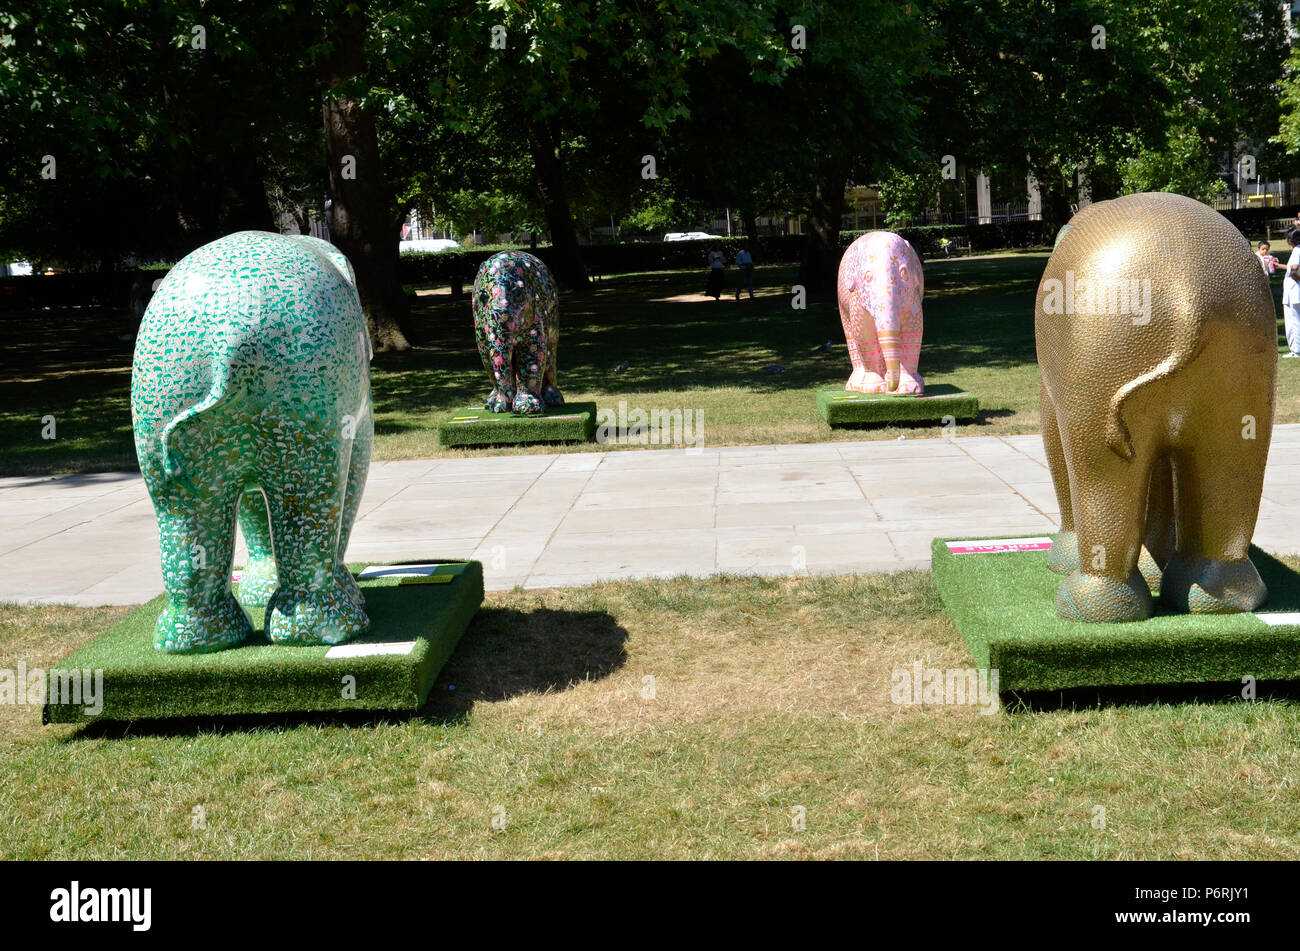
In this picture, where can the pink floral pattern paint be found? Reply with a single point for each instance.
(880, 292)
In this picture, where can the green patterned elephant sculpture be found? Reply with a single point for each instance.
(250, 396)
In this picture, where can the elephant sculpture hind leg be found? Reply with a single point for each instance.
(868, 362)
(551, 394)
(1159, 537)
(1109, 511)
(531, 356)
(308, 499)
(1064, 556)
(196, 528)
(358, 468)
(498, 361)
(1217, 485)
(258, 580)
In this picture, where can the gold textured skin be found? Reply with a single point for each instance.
(1156, 425)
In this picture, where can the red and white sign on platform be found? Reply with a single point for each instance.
(986, 546)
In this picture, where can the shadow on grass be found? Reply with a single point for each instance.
(985, 417)
(505, 653)
(1094, 698)
(508, 653)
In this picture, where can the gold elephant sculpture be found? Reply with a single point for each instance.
(1157, 346)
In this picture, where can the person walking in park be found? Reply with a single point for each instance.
(1291, 295)
(716, 263)
(745, 262)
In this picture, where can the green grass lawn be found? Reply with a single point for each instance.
(683, 351)
(769, 695)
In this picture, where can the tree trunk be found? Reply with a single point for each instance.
(1056, 201)
(821, 248)
(748, 221)
(566, 255)
(361, 213)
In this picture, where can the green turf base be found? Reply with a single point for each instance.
(259, 677)
(1004, 606)
(475, 426)
(843, 408)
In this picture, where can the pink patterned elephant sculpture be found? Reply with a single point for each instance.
(880, 291)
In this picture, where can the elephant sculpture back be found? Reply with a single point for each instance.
(880, 287)
(250, 394)
(1157, 346)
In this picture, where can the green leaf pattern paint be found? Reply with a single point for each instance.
(250, 399)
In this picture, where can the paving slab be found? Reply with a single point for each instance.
(563, 519)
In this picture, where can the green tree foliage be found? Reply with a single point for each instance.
(162, 123)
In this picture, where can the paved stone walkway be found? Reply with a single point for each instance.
(548, 520)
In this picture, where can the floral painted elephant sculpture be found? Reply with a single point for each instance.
(250, 394)
(880, 291)
(517, 326)
(1157, 345)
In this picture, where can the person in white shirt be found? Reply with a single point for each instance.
(1291, 295)
(716, 263)
(746, 264)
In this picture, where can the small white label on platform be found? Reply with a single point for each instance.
(987, 546)
(1279, 618)
(398, 571)
(371, 650)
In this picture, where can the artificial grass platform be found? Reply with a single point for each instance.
(1004, 605)
(845, 408)
(475, 426)
(415, 623)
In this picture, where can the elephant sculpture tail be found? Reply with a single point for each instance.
(219, 394)
(1118, 437)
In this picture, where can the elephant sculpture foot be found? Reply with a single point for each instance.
(552, 397)
(527, 404)
(498, 402)
(522, 403)
(1064, 556)
(1085, 597)
(909, 383)
(201, 629)
(1210, 586)
(865, 381)
(869, 381)
(330, 615)
(1064, 559)
(257, 582)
